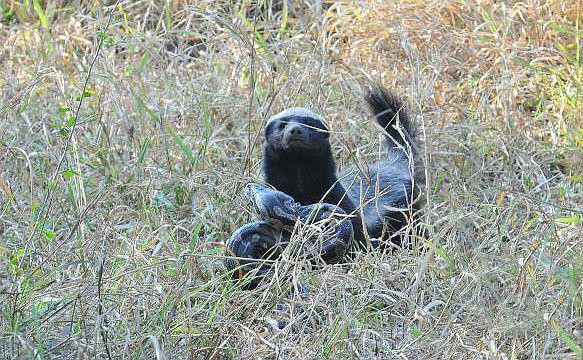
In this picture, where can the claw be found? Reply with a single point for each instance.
(257, 244)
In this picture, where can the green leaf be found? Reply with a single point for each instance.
(85, 94)
(438, 182)
(258, 36)
(564, 29)
(213, 251)
(185, 149)
(439, 250)
(106, 39)
(69, 174)
(162, 199)
(195, 237)
(49, 234)
(143, 149)
(572, 220)
(415, 331)
(206, 118)
(284, 17)
(40, 13)
(180, 195)
(63, 110)
(572, 344)
(168, 15)
(7, 14)
(71, 121)
(525, 64)
(143, 62)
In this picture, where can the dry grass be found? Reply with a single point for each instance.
(115, 251)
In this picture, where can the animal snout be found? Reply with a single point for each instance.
(295, 131)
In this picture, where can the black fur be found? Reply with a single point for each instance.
(298, 161)
(388, 192)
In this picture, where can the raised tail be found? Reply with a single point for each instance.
(390, 113)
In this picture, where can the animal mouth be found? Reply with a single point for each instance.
(295, 142)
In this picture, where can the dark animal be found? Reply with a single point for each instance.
(327, 234)
(298, 161)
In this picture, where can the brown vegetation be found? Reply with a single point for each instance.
(112, 213)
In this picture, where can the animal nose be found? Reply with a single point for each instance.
(296, 130)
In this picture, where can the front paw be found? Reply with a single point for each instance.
(272, 205)
(255, 247)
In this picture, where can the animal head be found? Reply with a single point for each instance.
(297, 130)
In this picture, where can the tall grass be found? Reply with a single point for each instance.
(112, 217)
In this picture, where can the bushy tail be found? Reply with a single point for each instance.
(391, 114)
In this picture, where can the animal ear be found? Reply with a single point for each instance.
(269, 127)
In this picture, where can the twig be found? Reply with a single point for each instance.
(101, 316)
(48, 195)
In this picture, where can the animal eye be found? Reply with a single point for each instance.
(281, 126)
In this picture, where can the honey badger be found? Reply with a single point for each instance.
(298, 161)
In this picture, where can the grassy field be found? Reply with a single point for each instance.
(128, 130)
